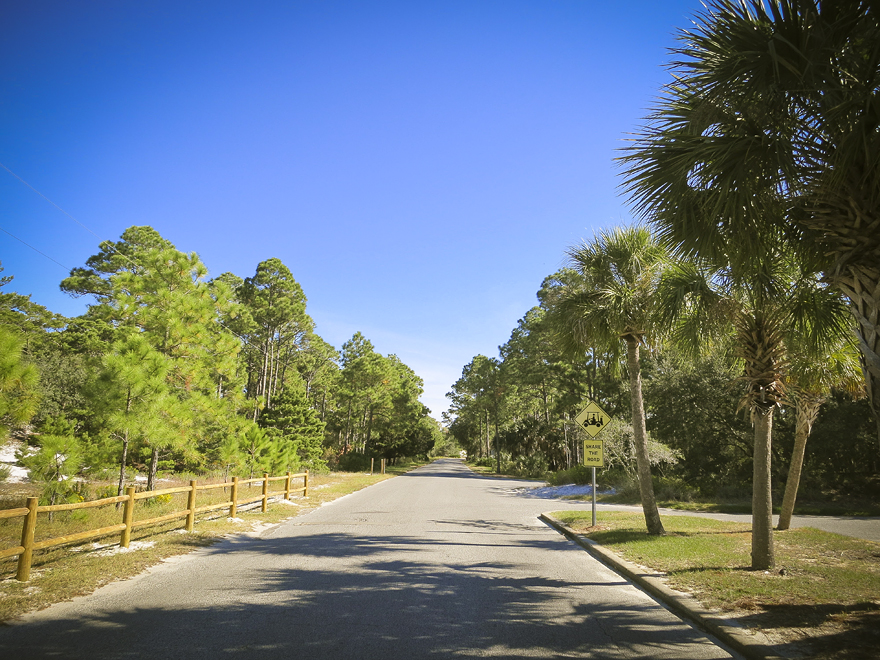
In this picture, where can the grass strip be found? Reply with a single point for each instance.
(822, 600)
(858, 508)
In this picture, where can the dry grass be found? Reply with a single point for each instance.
(64, 572)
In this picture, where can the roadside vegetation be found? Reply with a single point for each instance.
(62, 573)
(822, 600)
(170, 371)
(731, 332)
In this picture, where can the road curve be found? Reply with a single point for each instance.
(437, 563)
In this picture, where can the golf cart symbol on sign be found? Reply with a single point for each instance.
(592, 419)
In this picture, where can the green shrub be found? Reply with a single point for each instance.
(579, 474)
(354, 462)
(674, 489)
(533, 466)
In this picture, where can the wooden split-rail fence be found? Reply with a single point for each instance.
(29, 513)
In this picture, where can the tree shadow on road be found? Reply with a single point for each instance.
(398, 597)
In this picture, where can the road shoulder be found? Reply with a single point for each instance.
(750, 643)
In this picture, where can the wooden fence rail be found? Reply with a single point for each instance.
(28, 545)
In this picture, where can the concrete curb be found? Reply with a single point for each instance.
(751, 644)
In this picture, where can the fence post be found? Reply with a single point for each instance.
(27, 540)
(287, 487)
(234, 506)
(371, 466)
(191, 507)
(383, 466)
(265, 491)
(127, 517)
(306, 484)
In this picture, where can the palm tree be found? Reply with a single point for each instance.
(774, 108)
(701, 301)
(809, 381)
(768, 307)
(614, 302)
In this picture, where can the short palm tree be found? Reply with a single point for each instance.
(774, 108)
(615, 302)
(809, 380)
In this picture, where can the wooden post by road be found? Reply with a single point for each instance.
(287, 487)
(234, 499)
(127, 517)
(306, 484)
(265, 492)
(27, 540)
(191, 507)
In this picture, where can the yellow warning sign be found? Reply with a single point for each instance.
(594, 453)
(593, 419)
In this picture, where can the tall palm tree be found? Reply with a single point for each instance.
(768, 307)
(774, 108)
(702, 301)
(615, 302)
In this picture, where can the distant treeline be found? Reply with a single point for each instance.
(171, 370)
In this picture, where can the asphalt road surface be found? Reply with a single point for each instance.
(437, 563)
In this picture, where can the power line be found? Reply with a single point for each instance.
(50, 201)
(33, 248)
(244, 340)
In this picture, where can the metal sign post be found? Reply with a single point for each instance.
(594, 497)
(593, 420)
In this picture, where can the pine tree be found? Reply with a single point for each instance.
(19, 396)
(295, 427)
(131, 391)
(56, 462)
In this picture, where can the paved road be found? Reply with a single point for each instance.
(436, 563)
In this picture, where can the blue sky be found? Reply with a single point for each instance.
(419, 166)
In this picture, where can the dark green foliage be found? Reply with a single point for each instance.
(841, 457)
(63, 380)
(693, 408)
(295, 428)
(124, 255)
(274, 324)
(353, 462)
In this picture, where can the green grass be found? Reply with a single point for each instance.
(857, 508)
(712, 558)
(825, 588)
(806, 509)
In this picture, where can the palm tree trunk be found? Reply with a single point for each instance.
(806, 411)
(763, 556)
(640, 439)
(861, 284)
